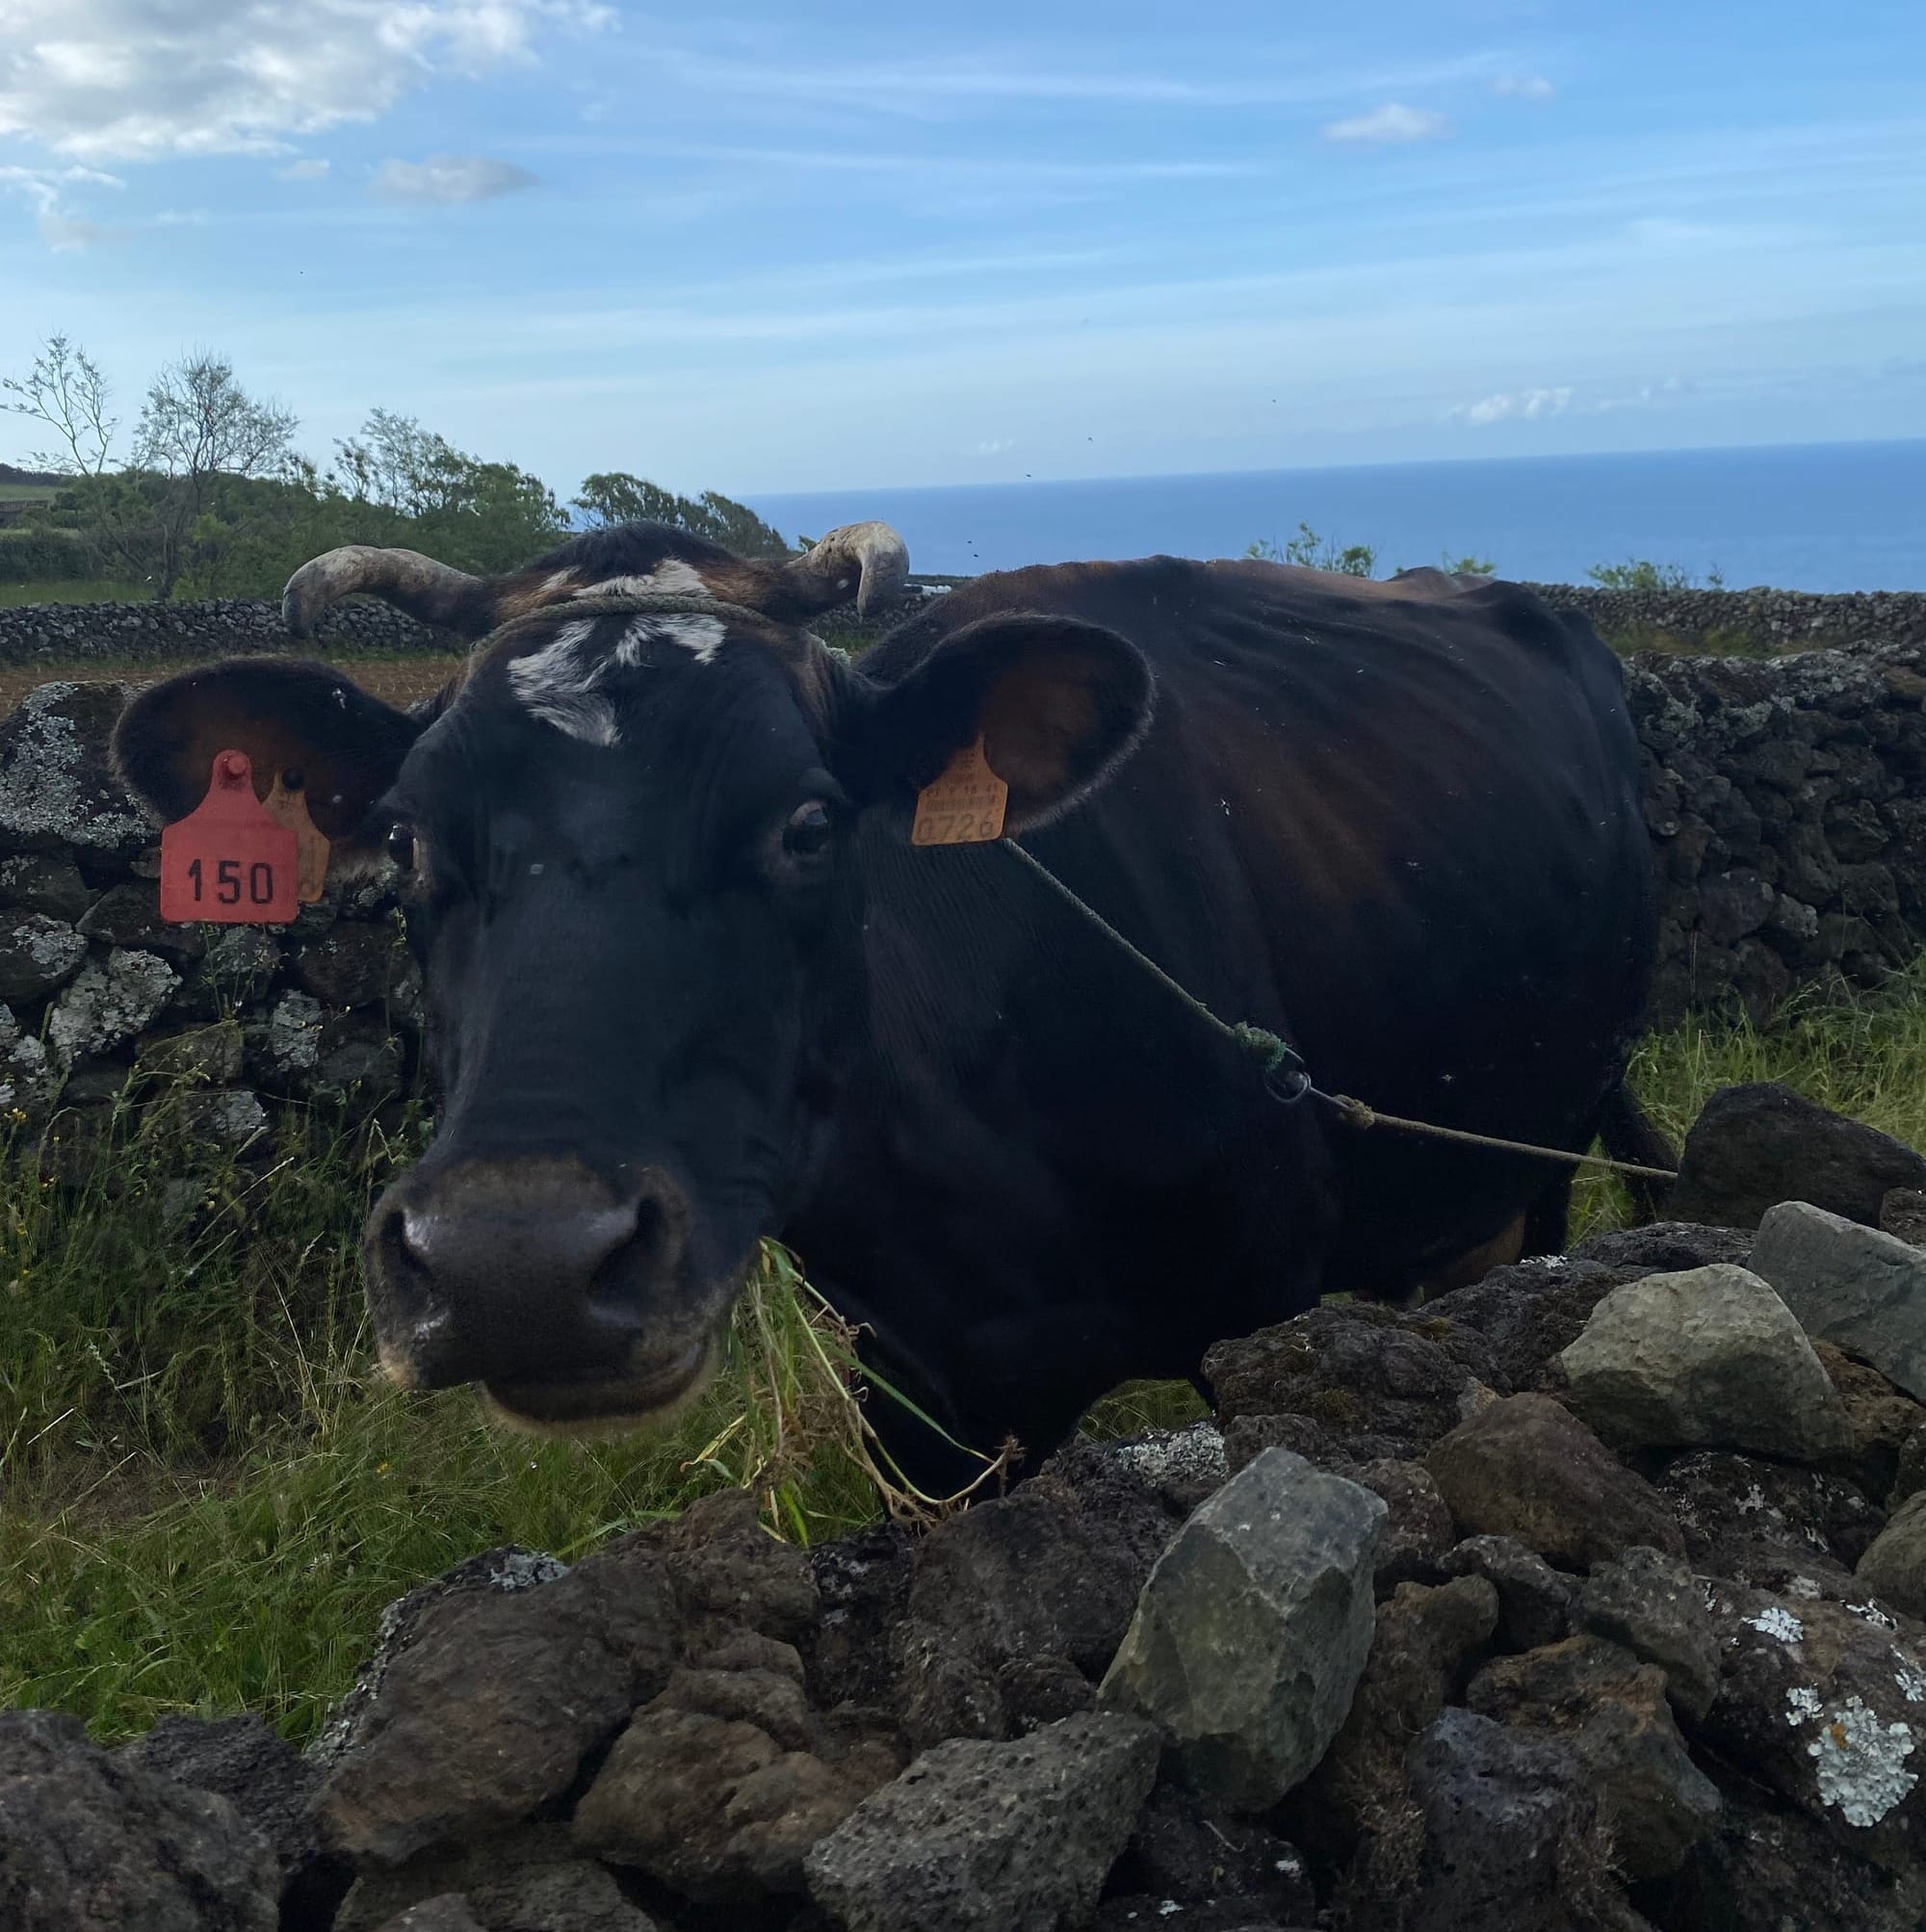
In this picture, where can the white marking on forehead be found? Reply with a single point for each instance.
(554, 581)
(670, 577)
(557, 684)
(701, 637)
(561, 684)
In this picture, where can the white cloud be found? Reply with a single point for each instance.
(139, 79)
(996, 446)
(444, 180)
(303, 171)
(1388, 126)
(1523, 86)
(62, 229)
(1514, 405)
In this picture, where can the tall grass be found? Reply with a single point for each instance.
(206, 1497)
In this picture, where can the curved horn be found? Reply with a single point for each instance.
(868, 557)
(437, 594)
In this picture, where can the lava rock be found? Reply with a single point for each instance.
(1709, 1358)
(1508, 1836)
(711, 1807)
(1527, 1314)
(491, 1709)
(1770, 1869)
(108, 1003)
(1745, 1517)
(1379, 1382)
(530, 1879)
(988, 1837)
(1652, 1604)
(56, 785)
(1253, 1629)
(266, 1781)
(1893, 1567)
(349, 965)
(1612, 1714)
(1422, 1654)
(1029, 1577)
(1752, 1147)
(89, 1841)
(1535, 1601)
(1881, 1419)
(1828, 1707)
(1901, 1213)
(36, 954)
(1418, 1526)
(862, 1583)
(130, 914)
(45, 882)
(1861, 1290)
(1181, 1854)
(1528, 1467)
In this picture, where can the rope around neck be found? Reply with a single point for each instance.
(1284, 1074)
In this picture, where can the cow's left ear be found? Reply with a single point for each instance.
(1058, 704)
(290, 717)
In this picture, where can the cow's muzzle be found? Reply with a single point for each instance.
(563, 1292)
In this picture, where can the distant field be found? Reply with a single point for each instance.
(400, 681)
(76, 590)
(18, 492)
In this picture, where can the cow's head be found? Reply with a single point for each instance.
(631, 843)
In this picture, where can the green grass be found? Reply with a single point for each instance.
(206, 1497)
(23, 492)
(73, 590)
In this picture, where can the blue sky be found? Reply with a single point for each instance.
(778, 248)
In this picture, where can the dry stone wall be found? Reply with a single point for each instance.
(1786, 799)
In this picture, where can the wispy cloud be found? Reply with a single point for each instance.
(46, 189)
(446, 180)
(1052, 74)
(1514, 405)
(1388, 126)
(140, 79)
(74, 235)
(1523, 86)
(303, 171)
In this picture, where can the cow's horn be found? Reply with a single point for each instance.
(868, 559)
(437, 594)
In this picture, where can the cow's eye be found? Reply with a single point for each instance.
(401, 847)
(809, 831)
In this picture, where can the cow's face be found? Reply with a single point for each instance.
(629, 843)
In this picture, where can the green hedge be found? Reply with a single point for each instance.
(34, 552)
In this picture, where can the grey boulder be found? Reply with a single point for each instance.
(1853, 1286)
(1253, 1631)
(1710, 1358)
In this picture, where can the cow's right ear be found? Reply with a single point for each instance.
(295, 719)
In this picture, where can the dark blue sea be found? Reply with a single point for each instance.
(1817, 516)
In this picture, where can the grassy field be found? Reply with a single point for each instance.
(205, 1497)
(79, 591)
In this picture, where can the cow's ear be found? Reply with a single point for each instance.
(1058, 704)
(294, 719)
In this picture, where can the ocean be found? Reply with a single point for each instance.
(1821, 516)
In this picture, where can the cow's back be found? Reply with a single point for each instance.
(1401, 819)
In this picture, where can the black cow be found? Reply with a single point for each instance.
(689, 983)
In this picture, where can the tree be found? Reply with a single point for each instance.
(1311, 551)
(67, 393)
(476, 516)
(615, 496)
(197, 425)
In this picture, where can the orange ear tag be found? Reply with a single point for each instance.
(227, 861)
(289, 807)
(964, 805)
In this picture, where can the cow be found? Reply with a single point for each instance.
(689, 983)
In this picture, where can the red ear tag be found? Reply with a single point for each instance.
(227, 861)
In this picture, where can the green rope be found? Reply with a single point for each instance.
(1272, 1054)
(1275, 1056)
